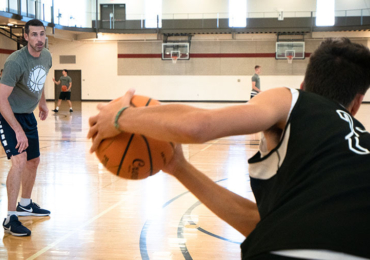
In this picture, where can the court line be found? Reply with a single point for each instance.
(180, 229)
(205, 148)
(74, 231)
(143, 235)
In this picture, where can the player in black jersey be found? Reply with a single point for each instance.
(311, 176)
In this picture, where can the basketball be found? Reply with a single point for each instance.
(64, 88)
(133, 156)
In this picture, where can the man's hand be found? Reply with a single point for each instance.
(178, 160)
(43, 111)
(22, 141)
(102, 125)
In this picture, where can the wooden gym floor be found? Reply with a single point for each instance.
(96, 215)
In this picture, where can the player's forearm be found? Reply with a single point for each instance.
(237, 211)
(43, 99)
(7, 112)
(175, 123)
(255, 88)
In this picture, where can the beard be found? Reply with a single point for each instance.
(37, 47)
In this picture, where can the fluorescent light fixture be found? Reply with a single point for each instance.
(325, 14)
(10, 24)
(237, 13)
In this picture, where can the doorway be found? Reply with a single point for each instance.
(112, 16)
(76, 84)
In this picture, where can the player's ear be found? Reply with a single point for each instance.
(356, 104)
(302, 86)
(25, 35)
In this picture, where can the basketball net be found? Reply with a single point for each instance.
(174, 59)
(290, 59)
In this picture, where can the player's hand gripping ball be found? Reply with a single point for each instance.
(134, 156)
(64, 88)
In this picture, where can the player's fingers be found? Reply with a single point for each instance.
(92, 132)
(128, 96)
(23, 147)
(95, 144)
(100, 106)
(92, 120)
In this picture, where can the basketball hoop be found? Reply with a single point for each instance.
(174, 59)
(290, 59)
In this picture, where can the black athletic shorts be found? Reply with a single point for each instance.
(65, 95)
(9, 139)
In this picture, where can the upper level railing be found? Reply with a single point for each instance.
(78, 17)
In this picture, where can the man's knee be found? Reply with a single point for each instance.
(34, 163)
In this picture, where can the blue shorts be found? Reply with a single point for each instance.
(9, 140)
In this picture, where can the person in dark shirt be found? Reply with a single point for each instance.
(311, 175)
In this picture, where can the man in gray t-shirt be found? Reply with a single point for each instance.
(256, 85)
(21, 91)
(65, 94)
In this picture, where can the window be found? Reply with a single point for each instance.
(237, 13)
(325, 15)
(153, 13)
(67, 16)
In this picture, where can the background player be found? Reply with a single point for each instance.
(64, 80)
(256, 82)
(21, 90)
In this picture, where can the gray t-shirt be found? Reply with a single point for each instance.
(256, 79)
(64, 81)
(27, 75)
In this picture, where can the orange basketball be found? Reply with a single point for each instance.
(133, 156)
(64, 88)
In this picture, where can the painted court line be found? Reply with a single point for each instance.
(72, 232)
(205, 148)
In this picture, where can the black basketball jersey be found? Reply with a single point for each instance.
(313, 189)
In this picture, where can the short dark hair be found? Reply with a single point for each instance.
(33, 22)
(257, 67)
(66, 71)
(338, 70)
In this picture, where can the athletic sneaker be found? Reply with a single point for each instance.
(55, 110)
(71, 110)
(31, 210)
(15, 227)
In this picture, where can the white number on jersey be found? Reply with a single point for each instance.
(353, 137)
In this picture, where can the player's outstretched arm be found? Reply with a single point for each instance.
(186, 124)
(240, 213)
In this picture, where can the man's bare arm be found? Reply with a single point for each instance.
(239, 212)
(254, 87)
(186, 124)
(43, 108)
(7, 112)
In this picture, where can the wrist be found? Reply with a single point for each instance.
(118, 115)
